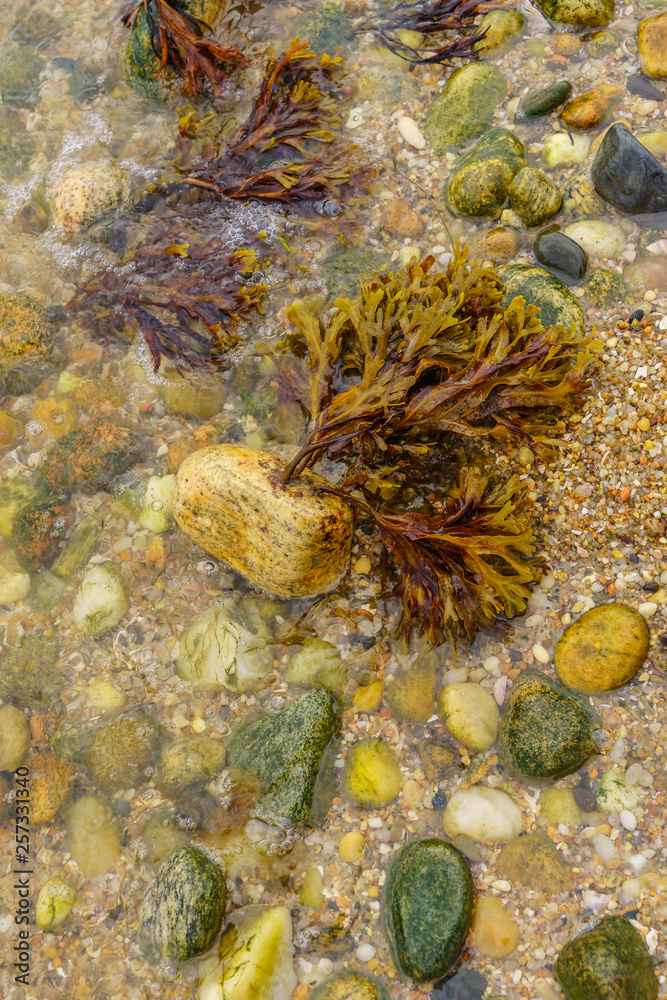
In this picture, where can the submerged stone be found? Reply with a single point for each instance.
(534, 196)
(602, 650)
(192, 760)
(565, 149)
(54, 904)
(542, 102)
(29, 352)
(592, 109)
(89, 459)
(427, 907)
(226, 648)
(16, 146)
(465, 107)
(545, 730)
(122, 751)
(608, 962)
(93, 834)
(480, 181)
(19, 75)
(652, 42)
(350, 985)
(371, 775)
(534, 862)
(347, 267)
(556, 251)
(600, 240)
(285, 750)
(38, 530)
(51, 778)
(325, 28)
(101, 601)
(605, 289)
(603, 43)
(411, 696)
(580, 200)
(87, 194)
(542, 289)
(578, 13)
(499, 28)
(482, 814)
(29, 676)
(626, 175)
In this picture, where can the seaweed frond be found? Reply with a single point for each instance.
(468, 567)
(186, 299)
(182, 42)
(288, 149)
(437, 354)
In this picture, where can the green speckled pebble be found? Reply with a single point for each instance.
(545, 730)
(542, 289)
(481, 179)
(350, 985)
(579, 13)
(427, 907)
(543, 101)
(465, 107)
(534, 196)
(609, 962)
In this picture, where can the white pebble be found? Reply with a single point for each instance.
(491, 663)
(501, 884)
(540, 653)
(355, 118)
(648, 609)
(365, 952)
(411, 132)
(629, 820)
(325, 966)
(604, 847)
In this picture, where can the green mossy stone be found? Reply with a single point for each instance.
(325, 28)
(350, 985)
(20, 69)
(80, 546)
(426, 908)
(379, 82)
(37, 531)
(608, 962)
(578, 13)
(90, 459)
(47, 591)
(345, 269)
(540, 288)
(162, 836)
(189, 761)
(16, 494)
(465, 107)
(317, 663)
(286, 751)
(480, 181)
(605, 289)
(603, 43)
(29, 677)
(122, 750)
(602, 650)
(16, 146)
(543, 101)
(501, 26)
(181, 913)
(534, 862)
(534, 196)
(29, 352)
(545, 730)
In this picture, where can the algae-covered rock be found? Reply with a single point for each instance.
(51, 778)
(615, 793)
(286, 751)
(254, 959)
(350, 985)
(605, 289)
(652, 42)
(38, 530)
(540, 288)
(14, 737)
(482, 814)
(16, 146)
(54, 904)
(229, 646)
(80, 546)
(29, 351)
(16, 494)
(101, 601)
(371, 775)
(347, 267)
(534, 862)
(411, 696)
(543, 101)
(182, 910)
(465, 107)
(122, 750)
(93, 834)
(161, 836)
(545, 730)
(437, 760)
(427, 907)
(325, 27)
(534, 196)
(608, 962)
(47, 591)
(317, 664)
(91, 458)
(284, 537)
(580, 200)
(29, 676)
(499, 27)
(602, 650)
(20, 70)
(578, 13)
(480, 181)
(603, 43)
(189, 761)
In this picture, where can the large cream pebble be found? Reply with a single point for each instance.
(470, 713)
(482, 813)
(14, 737)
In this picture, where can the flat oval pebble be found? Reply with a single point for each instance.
(482, 814)
(602, 650)
(427, 908)
(608, 962)
(411, 132)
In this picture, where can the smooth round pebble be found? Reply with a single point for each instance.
(628, 819)
(540, 653)
(600, 240)
(470, 714)
(482, 813)
(647, 609)
(602, 650)
(411, 132)
(351, 847)
(365, 952)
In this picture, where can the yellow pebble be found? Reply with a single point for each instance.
(362, 566)
(351, 847)
(312, 890)
(367, 699)
(644, 424)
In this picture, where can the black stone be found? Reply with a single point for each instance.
(557, 252)
(542, 102)
(640, 85)
(627, 176)
(465, 985)
(439, 801)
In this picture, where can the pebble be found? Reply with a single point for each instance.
(365, 952)
(411, 132)
(604, 847)
(648, 609)
(540, 653)
(482, 813)
(597, 239)
(628, 819)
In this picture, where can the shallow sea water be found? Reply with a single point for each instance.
(599, 502)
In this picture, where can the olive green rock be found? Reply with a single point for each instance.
(182, 910)
(580, 201)
(543, 101)
(603, 43)
(534, 862)
(325, 28)
(29, 676)
(286, 750)
(161, 836)
(20, 69)
(465, 107)
(534, 196)
(542, 289)
(47, 591)
(350, 985)
(499, 27)
(608, 962)
(604, 289)
(29, 352)
(545, 730)
(189, 761)
(480, 181)
(122, 750)
(16, 146)
(602, 650)
(346, 268)
(578, 13)
(426, 907)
